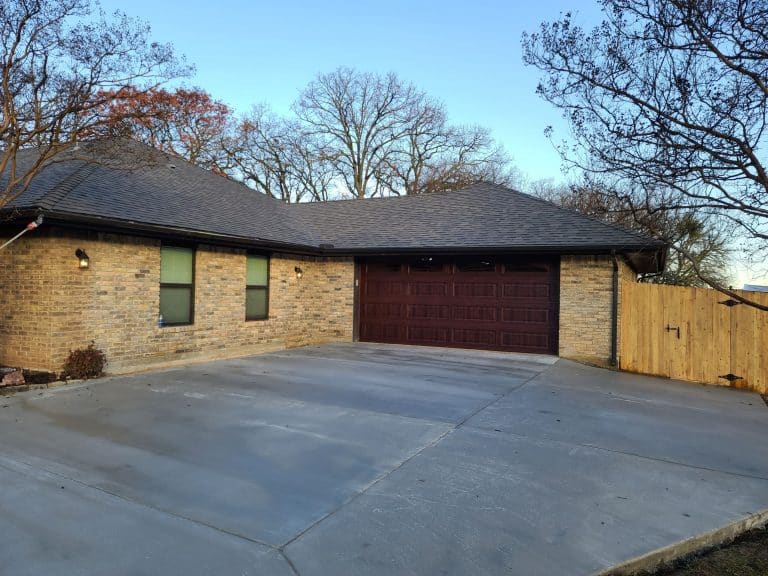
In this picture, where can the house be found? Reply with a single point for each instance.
(183, 264)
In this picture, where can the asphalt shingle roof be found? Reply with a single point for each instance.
(159, 190)
(480, 216)
(168, 192)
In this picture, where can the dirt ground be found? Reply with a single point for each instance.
(747, 556)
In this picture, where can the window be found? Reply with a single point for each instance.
(177, 273)
(476, 265)
(256, 287)
(427, 264)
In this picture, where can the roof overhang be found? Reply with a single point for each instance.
(142, 229)
(643, 258)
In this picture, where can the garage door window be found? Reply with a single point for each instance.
(427, 264)
(476, 265)
(256, 287)
(177, 273)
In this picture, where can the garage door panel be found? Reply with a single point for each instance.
(379, 332)
(475, 337)
(476, 313)
(433, 335)
(476, 290)
(526, 315)
(515, 290)
(384, 310)
(429, 311)
(428, 288)
(478, 302)
(375, 287)
(527, 340)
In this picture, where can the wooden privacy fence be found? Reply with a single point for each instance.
(694, 334)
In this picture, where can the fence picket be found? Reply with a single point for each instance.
(714, 339)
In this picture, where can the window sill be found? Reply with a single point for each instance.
(185, 325)
(262, 319)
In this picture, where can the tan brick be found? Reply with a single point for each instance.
(586, 287)
(48, 306)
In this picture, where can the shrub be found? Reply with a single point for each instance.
(84, 363)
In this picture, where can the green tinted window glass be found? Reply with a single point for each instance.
(256, 271)
(255, 303)
(176, 304)
(176, 265)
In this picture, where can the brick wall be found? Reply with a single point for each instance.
(585, 306)
(48, 306)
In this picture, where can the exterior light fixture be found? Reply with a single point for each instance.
(299, 272)
(83, 259)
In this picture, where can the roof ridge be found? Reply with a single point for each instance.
(67, 185)
(378, 198)
(588, 217)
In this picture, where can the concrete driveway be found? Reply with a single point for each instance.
(371, 459)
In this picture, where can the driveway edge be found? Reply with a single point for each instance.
(695, 545)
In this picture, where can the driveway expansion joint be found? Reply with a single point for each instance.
(431, 444)
(615, 451)
(477, 500)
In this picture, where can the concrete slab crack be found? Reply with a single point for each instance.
(431, 444)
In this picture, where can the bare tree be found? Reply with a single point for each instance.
(432, 155)
(671, 96)
(472, 157)
(358, 118)
(360, 134)
(276, 157)
(384, 136)
(56, 56)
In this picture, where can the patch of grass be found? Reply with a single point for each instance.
(745, 556)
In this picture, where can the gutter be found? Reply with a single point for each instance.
(614, 311)
(130, 227)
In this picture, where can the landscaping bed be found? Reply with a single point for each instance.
(745, 556)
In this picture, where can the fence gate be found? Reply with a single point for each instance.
(694, 334)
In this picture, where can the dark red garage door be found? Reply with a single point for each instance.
(495, 303)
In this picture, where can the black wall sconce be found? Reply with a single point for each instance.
(299, 272)
(83, 260)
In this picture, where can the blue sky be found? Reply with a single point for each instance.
(466, 54)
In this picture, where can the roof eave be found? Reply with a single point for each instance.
(130, 227)
(643, 258)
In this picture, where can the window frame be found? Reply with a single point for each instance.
(264, 287)
(191, 285)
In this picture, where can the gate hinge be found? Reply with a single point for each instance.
(731, 377)
(673, 329)
(730, 302)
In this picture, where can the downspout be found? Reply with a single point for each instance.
(615, 312)
(31, 226)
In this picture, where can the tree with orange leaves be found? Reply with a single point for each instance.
(187, 123)
(59, 62)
